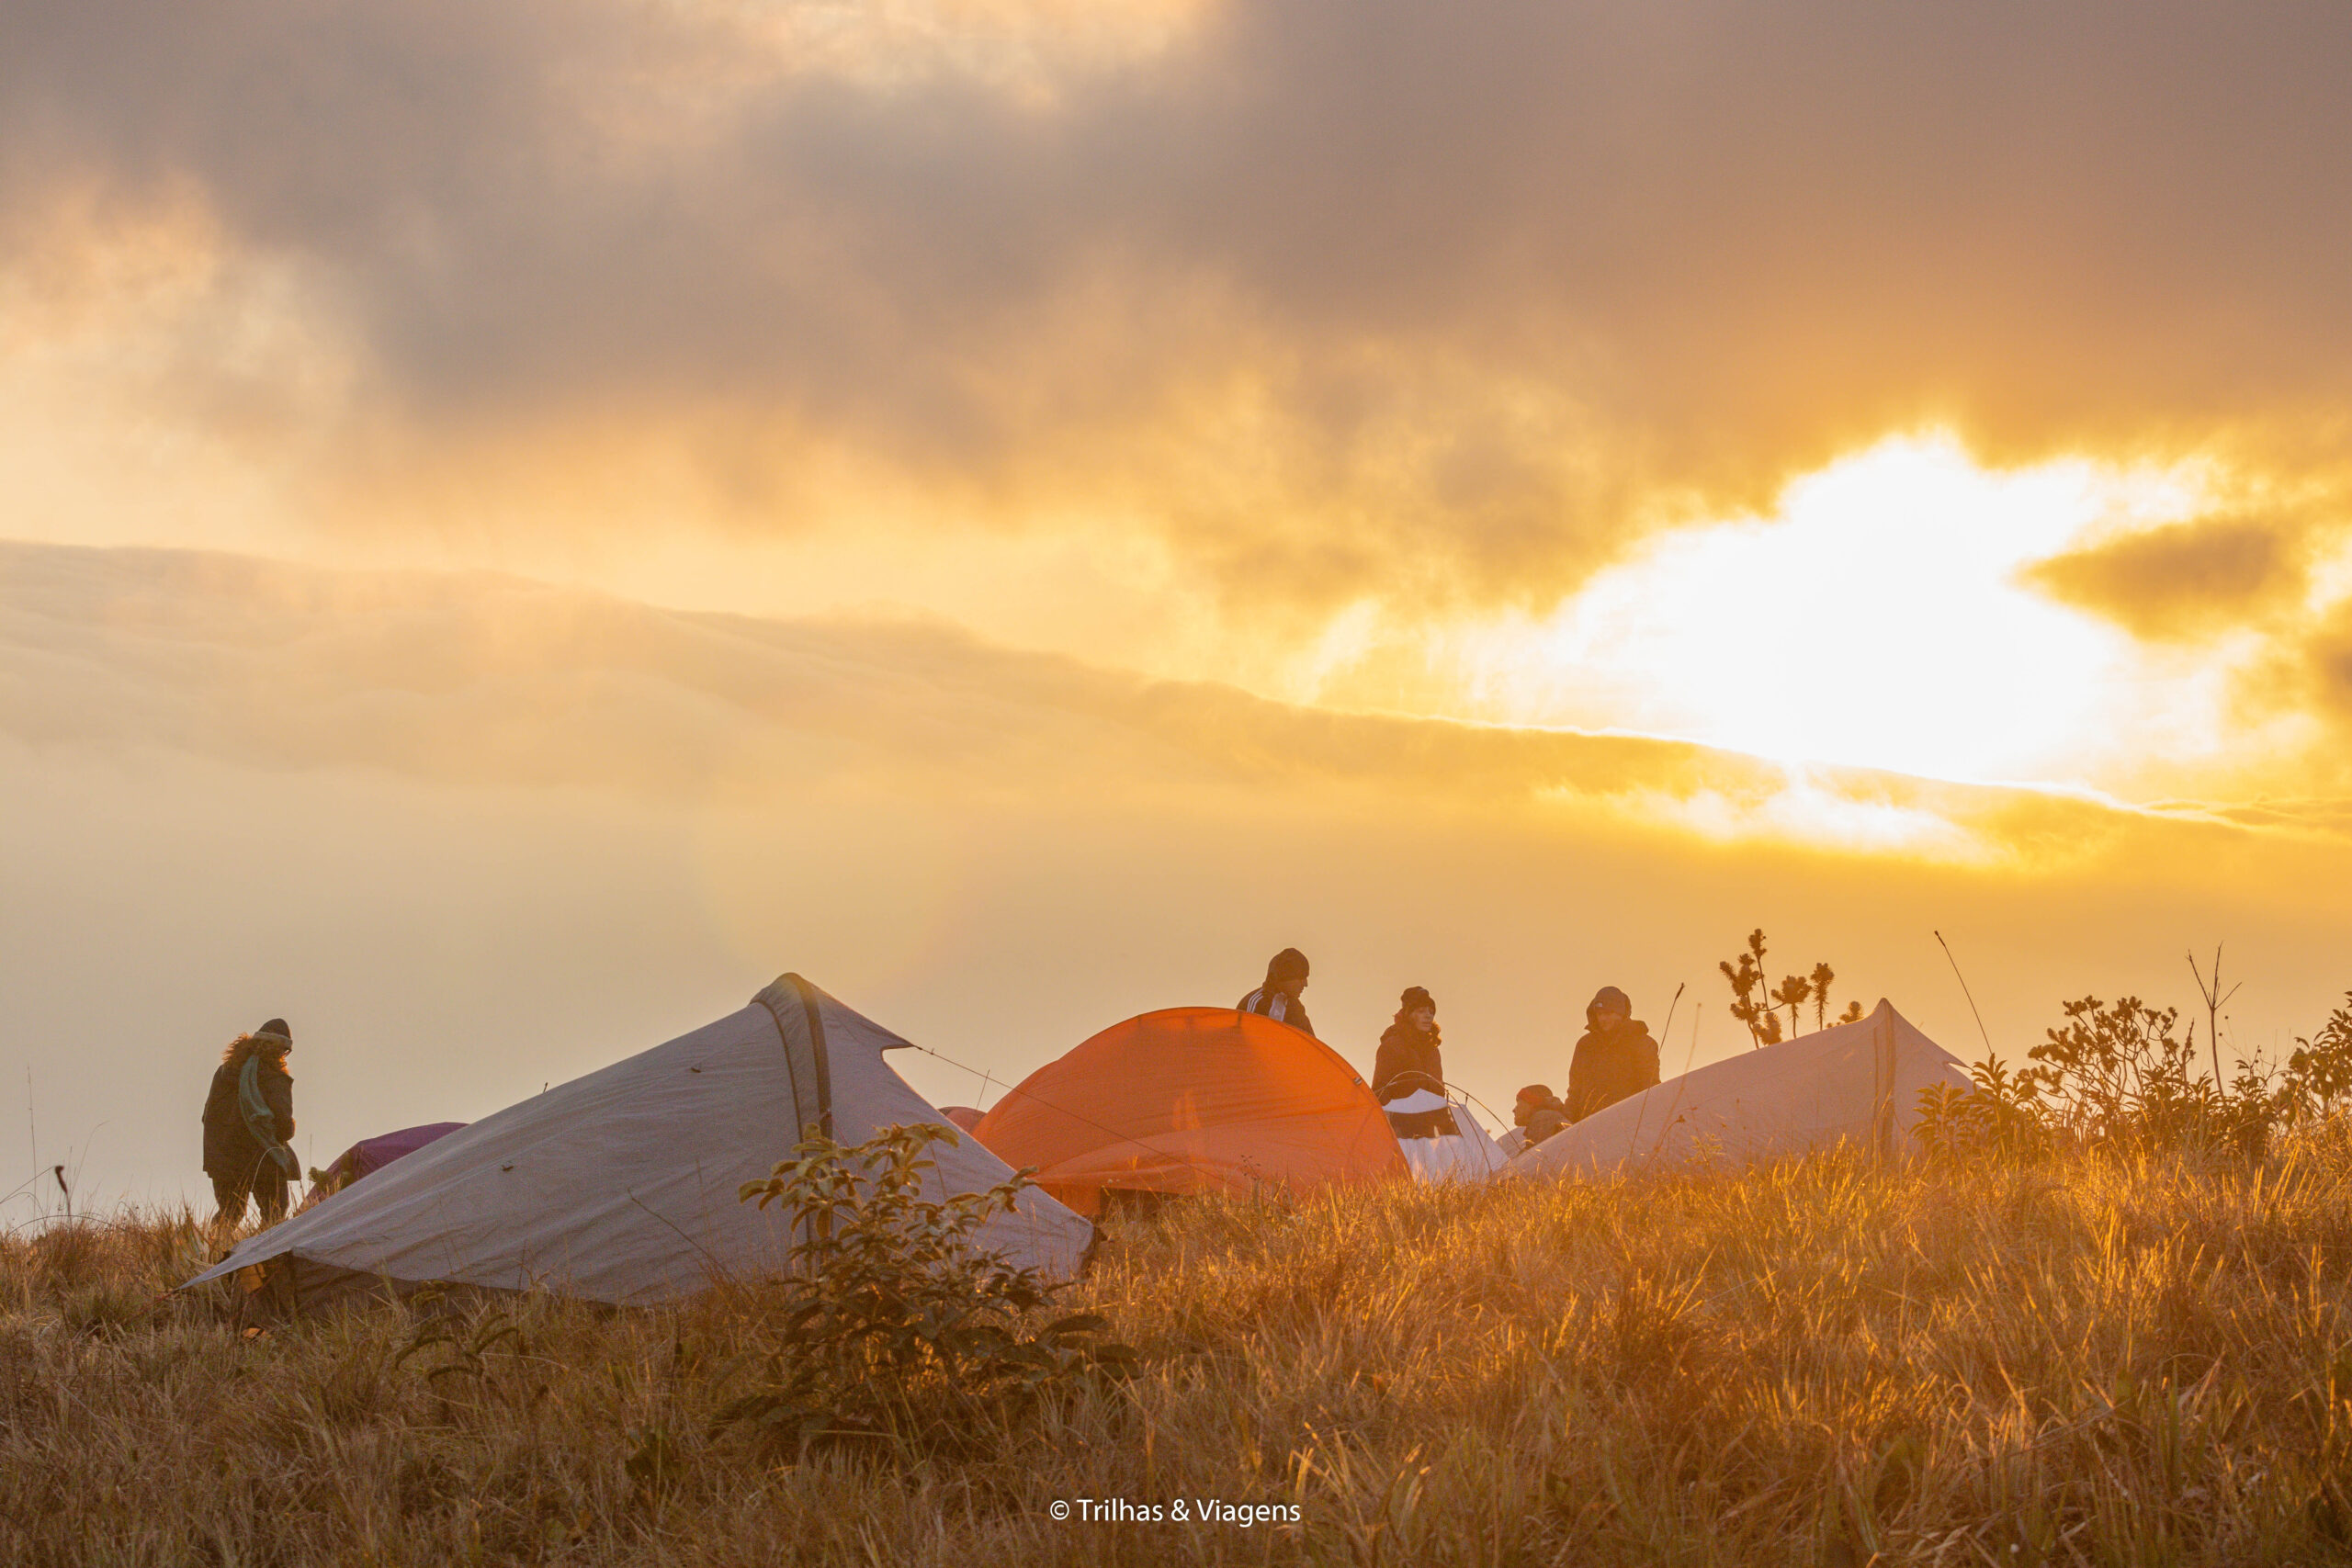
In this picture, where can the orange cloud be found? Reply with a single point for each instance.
(1333, 297)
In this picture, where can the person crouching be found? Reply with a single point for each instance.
(1537, 1113)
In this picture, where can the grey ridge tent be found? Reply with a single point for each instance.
(1856, 1084)
(621, 1186)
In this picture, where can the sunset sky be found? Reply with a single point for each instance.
(520, 521)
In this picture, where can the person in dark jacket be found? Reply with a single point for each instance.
(1408, 1057)
(1538, 1113)
(1615, 1060)
(1278, 997)
(248, 1118)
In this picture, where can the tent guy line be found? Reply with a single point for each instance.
(1971, 1000)
(1492, 1114)
(1663, 1031)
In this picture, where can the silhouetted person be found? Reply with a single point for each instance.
(248, 1118)
(1537, 1113)
(1615, 1060)
(1409, 1058)
(1278, 997)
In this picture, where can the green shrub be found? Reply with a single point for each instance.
(897, 1330)
(1998, 1114)
(2116, 1074)
(2318, 1075)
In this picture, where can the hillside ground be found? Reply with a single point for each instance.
(2096, 1359)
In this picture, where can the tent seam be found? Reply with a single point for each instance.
(791, 1073)
(818, 1052)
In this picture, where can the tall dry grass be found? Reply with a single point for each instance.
(2098, 1360)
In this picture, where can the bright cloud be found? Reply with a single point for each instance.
(1879, 617)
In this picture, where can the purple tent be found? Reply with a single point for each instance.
(374, 1154)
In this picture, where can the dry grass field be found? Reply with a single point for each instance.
(2095, 1359)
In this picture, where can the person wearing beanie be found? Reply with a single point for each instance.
(1409, 1058)
(1537, 1113)
(1615, 1059)
(1278, 997)
(248, 1118)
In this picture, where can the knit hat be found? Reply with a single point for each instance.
(1414, 998)
(275, 1026)
(1536, 1094)
(1288, 964)
(1609, 996)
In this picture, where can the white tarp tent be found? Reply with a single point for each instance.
(621, 1186)
(1467, 1154)
(1858, 1084)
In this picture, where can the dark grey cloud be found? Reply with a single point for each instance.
(2328, 657)
(1490, 270)
(2186, 580)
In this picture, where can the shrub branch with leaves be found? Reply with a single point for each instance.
(896, 1329)
(2116, 1073)
(1999, 1112)
(2318, 1077)
(2122, 1074)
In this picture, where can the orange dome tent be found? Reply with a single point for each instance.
(1193, 1099)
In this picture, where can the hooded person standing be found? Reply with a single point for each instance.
(1278, 997)
(1408, 1057)
(248, 1118)
(1615, 1060)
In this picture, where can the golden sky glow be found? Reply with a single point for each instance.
(606, 478)
(1882, 616)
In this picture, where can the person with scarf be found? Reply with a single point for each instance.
(1408, 1057)
(1278, 997)
(1615, 1060)
(248, 1118)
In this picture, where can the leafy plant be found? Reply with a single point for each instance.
(2318, 1075)
(656, 1465)
(454, 1340)
(896, 1329)
(1751, 1004)
(466, 1346)
(1790, 994)
(2000, 1113)
(1757, 1005)
(2116, 1073)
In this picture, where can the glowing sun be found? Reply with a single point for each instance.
(1879, 618)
